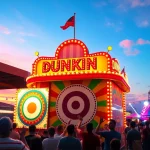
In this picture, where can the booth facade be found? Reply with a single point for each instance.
(73, 82)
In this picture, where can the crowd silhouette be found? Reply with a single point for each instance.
(136, 135)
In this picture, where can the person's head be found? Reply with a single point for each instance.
(14, 126)
(133, 124)
(60, 129)
(147, 124)
(32, 129)
(128, 122)
(70, 129)
(89, 127)
(45, 133)
(115, 144)
(5, 127)
(51, 131)
(112, 124)
(141, 125)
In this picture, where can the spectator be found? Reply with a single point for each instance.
(108, 135)
(7, 143)
(126, 130)
(134, 138)
(45, 135)
(69, 142)
(36, 143)
(59, 131)
(14, 134)
(51, 142)
(115, 144)
(146, 136)
(89, 140)
(32, 135)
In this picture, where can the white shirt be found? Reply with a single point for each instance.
(50, 143)
(9, 143)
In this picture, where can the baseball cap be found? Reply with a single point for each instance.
(5, 124)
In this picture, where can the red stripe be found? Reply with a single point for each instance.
(52, 113)
(101, 92)
(102, 114)
(76, 82)
(53, 94)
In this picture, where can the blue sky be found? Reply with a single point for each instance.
(27, 26)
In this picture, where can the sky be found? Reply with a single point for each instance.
(27, 26)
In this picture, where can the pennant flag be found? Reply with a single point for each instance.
(70, 23)
(123, 71)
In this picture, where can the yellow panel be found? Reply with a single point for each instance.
(99, 65)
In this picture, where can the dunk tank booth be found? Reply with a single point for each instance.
(73, 83)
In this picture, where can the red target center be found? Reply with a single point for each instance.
(75, 105)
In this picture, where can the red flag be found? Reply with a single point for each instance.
(123, 71)
(70, 22)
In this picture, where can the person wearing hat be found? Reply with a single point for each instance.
(5, 141)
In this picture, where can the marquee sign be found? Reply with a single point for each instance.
(72, 60)
(84, 64)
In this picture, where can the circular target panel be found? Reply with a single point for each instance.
(76, 100)
(32, 107)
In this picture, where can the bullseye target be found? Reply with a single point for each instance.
(76, 100)
(32, 107)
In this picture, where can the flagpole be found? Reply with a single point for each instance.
(74, 25)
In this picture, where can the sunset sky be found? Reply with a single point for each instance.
(27, 26)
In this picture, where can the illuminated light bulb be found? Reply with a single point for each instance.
(37, 53)
(109, 48)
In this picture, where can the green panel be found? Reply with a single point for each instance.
(59, 84)
(94, 123)
(52, 104)
(102, 103)
(94, 83)
(56, 123)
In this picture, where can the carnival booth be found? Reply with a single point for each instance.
(73, 82)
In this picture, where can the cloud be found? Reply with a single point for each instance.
(126, 43)
(27, 34)
(130, 52)
(4, 30)
(117, 25)
(141, 41)
(139, 3)
(128, 48)
(144, 23)
(21, 40)
(99, 4)
(16, 56)
(136, 97)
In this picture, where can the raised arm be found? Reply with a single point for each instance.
(98, 126)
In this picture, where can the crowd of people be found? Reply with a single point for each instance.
(74, 137)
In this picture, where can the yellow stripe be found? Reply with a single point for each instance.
(102, 109)
(86, 82)
(101, 98)
(55, 88)
(99, 86)
(67, 83)
(52, 120)
(53, 99)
